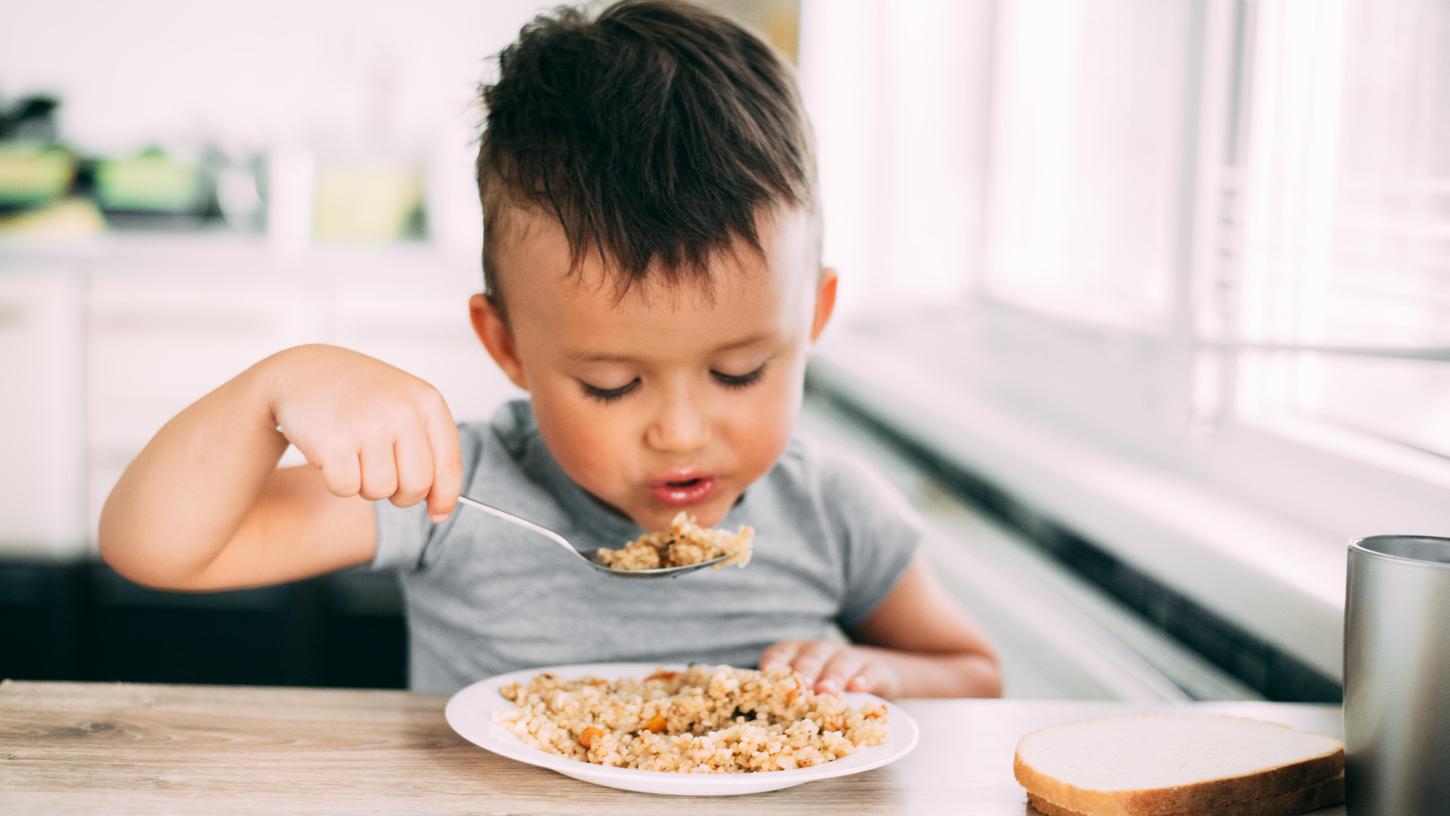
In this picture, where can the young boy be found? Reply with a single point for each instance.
(652, 279)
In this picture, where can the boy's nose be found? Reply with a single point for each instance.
(678, 428)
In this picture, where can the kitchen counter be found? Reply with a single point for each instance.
(128, 748)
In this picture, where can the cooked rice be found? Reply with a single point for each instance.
(684, 543)
(701, 720)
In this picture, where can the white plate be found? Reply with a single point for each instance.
(470, 713)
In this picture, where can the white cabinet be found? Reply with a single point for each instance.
(42, 442)
(101, 347)
(425, 332)
(159, 338)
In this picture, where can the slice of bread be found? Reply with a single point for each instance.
(1316, 796)
(1163, 765)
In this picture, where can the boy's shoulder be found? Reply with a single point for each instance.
(506, 439)
(807, 458)
(840, 479)
(512, 425)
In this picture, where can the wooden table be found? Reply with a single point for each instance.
(122, 748)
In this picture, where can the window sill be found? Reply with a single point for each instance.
(1271, 577)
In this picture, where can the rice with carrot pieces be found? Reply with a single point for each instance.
(701, 720)
(683, 544)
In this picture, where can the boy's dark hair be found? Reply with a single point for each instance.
(653, 132)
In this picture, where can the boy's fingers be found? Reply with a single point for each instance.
(442, 434)
(340, 473)
(379, 471)
(780, 654)
(873, 679)
(812, 659)
(841, 668)
(415, 469)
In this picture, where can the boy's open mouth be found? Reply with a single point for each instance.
(685, 491)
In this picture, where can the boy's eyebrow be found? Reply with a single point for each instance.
(599, 357)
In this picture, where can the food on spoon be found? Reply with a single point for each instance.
(706, 719)
(683, 544)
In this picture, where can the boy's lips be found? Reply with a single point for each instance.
(682, 489)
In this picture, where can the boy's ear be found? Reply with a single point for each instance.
(825, 301)
(489, 325)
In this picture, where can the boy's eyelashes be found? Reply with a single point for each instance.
(727, 380)
(739, 380)
(609, 394)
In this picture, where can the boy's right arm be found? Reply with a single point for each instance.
(204, 507)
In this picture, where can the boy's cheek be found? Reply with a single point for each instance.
(582, 438)
(765, 432)
(587, 451)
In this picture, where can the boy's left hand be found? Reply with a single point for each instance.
(831, 668)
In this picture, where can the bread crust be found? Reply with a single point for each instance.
(1319, 795)
(1207, 796)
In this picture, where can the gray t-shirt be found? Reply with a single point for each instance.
(485, 596)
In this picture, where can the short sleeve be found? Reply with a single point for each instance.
(402, 535)
(407, 539)
(880, 535)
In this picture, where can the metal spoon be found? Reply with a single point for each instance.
(589, 555)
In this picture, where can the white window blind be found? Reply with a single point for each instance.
(1088, 145)
(1332, 270)
(1215, 234)
(897, 94)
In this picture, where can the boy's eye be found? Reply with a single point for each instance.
(739, 380)
(609, 394)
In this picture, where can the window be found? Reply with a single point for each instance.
(897, 93)
(1087, 151)
(1332, 268)
(1210, 234)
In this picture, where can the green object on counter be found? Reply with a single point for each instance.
(32, 174)
(365, 201)
(149, 182)
(68, 219)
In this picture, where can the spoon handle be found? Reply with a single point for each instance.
(525, 523)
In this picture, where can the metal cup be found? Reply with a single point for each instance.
(1397, 676)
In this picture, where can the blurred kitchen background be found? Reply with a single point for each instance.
(1145, 303)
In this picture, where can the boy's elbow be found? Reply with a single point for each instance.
(111, 542)
(994, 680)
(116, 553)
(982, 675)
(143, 575)
(120, 552)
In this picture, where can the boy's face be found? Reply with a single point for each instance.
(676, 397)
